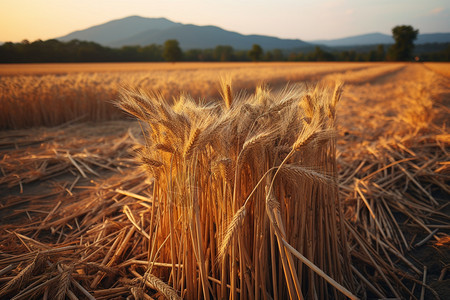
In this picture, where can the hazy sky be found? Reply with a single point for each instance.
(302, 19)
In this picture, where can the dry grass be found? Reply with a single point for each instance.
(108, 235)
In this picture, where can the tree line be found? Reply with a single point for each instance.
(82, 51)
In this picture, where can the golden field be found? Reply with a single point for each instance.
(251, 189)
(87, 90)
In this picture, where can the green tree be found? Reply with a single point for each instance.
(404, 37)
(152, 53)
(172, 51)
(380, 53)
(274, 55)
(223, 53)
(321, 55)
(255, 53)
(372, 55)
(277, 55)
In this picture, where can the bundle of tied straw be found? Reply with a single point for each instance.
(245, 193)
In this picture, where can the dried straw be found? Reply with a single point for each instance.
(117, 229)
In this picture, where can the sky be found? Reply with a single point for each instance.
(297, 19)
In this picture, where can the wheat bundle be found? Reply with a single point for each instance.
(246, 202)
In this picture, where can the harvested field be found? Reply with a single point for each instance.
(80, 219)
(441, 68)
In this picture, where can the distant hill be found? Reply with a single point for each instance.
(380, 38)
(364, 39)
(142, 31)
(110, 32)
(433, 38)
(137, 30)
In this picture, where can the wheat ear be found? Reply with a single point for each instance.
(63, 285)
(232, 229)
(23, 277)
(191, 143)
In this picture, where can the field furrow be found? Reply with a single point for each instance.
(370, 75)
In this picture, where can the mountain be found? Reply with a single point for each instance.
(141, 31)
(108, 33)
(364, 39)
(433, 38)
(137, 30)
(200, 37)
(380, 38)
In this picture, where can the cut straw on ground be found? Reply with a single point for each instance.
(130, 233)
